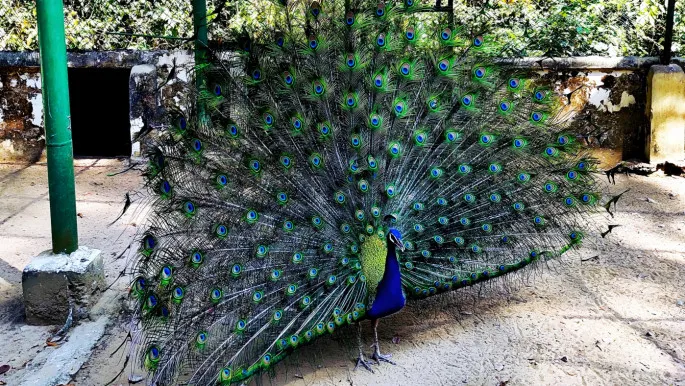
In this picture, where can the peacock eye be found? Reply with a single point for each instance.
(166, 187)
(446, 34)
(478, 41)
(351, 61)
(410, 34)
(315, 9)
(380, 9)
(349, 18)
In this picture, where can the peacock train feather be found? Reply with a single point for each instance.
(348, 161)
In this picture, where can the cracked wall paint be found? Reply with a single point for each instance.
(21, 115)
(8, 146)
(600, 97)
(37, 106)
(31, 80)
(608, 108)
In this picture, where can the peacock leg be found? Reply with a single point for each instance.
(377, 356)
(361, 360)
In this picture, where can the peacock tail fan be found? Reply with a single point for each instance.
(271, 206)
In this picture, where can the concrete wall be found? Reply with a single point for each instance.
(607, 97)
(22, 135)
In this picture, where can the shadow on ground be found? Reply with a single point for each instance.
(614, 319)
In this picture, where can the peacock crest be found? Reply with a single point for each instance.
(348, 160)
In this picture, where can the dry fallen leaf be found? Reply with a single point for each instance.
(4, 369)
(80, 214)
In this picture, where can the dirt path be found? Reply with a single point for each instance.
(611, 320)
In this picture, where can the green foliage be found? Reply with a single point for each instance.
(101, 24)
(527, 27)
(580, 27)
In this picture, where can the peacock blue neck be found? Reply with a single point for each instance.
(389, 296)
(392, 266)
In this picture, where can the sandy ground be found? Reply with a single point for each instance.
(25, 232)
(617, 319)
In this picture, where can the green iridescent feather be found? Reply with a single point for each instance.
(270, 213)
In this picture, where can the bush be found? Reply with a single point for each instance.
(526, 27)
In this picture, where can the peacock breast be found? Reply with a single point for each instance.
(373, 253)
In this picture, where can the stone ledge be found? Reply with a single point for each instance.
(130, 58)
(58, 365)
(53, 283)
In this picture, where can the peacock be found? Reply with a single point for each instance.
(347, 159)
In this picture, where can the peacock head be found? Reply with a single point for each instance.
(395, 237)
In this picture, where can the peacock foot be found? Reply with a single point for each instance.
(378, 357)
(362, 361)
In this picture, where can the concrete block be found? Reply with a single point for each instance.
(666, 112)
(53, 283)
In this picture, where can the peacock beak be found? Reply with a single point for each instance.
(400, 245)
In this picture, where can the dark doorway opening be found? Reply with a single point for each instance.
(100, 124)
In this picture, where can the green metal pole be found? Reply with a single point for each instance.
(53, 69)
(201, 51)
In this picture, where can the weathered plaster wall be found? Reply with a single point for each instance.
(155, 88)
(22, 137)
(606, 102)
(608, 108)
